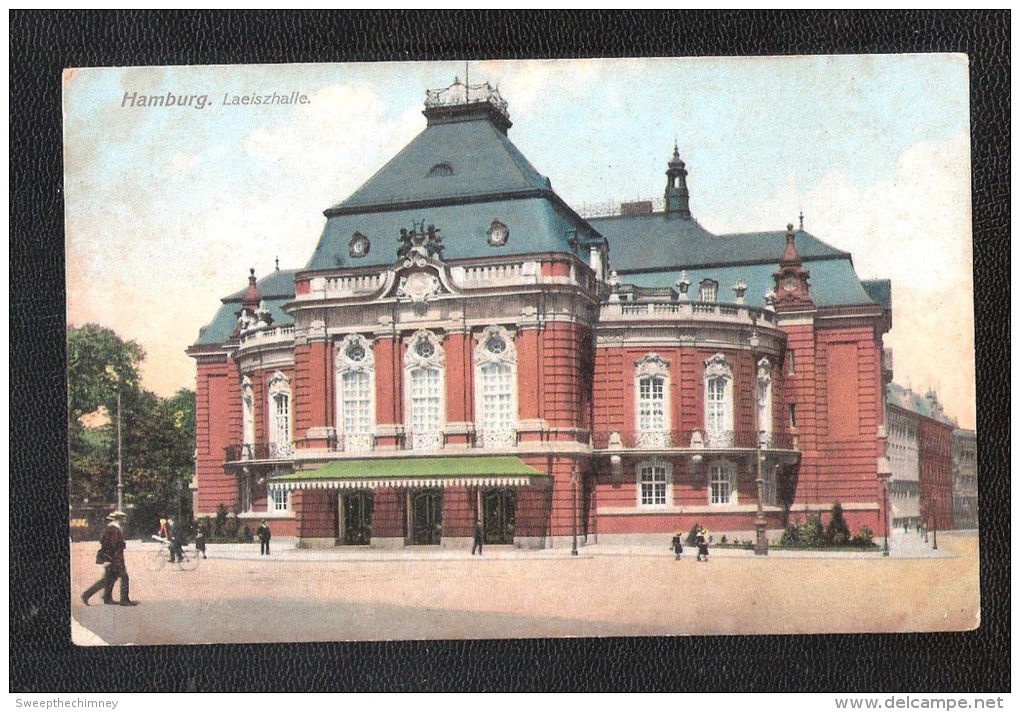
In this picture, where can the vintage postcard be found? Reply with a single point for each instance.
(626, 347)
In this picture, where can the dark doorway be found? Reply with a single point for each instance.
(426, 517)
(357, 518)
(500, 508)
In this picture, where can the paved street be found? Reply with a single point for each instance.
(300, 595)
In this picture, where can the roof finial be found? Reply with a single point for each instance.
(801, 219)
(277, 263)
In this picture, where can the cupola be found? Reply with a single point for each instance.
(677, 195)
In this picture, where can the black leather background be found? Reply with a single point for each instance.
(42, 658)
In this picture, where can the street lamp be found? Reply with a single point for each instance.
(573, 516)
(761, 543)
(885, 498)
(120, 467)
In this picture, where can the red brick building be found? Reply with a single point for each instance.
(464, 346)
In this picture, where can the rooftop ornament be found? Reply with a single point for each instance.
(458, 94)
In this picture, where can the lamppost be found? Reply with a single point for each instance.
(885, 500)
(120, 467)
(935, 522)
(761, 543)
(573, 516)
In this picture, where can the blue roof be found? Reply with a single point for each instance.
(276, 288)
(678, 243)
(880, 290)
(832, 282)
(535, 225)
(480, 158)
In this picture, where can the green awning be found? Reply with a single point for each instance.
(413, 472)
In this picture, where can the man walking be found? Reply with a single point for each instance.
(264, 536)
(111, 556)
(479, 538)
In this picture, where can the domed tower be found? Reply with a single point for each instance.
(677, 195)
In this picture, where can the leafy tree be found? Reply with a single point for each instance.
(98, 363)
(157, 434)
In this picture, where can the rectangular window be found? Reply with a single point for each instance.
(651, 405)
(425, 400)
(653, 485)
(721, 484)
(497, 397)
(357, 404)
(282, 418)
(707, 292)
(278, 499)
(790, 367)
(793, 415)
(716, 405)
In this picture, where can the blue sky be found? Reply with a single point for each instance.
(167, 208)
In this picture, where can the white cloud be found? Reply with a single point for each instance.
(913, 228)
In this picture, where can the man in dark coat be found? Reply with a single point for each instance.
(111, 556)
(264, 536)
(677, 544)
(479, 539)
(702, 542)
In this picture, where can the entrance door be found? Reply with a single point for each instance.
(500, 508)
(426, 517)
(357, 518)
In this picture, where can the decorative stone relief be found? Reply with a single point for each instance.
(495, 345)
(651, 365)
(425, 351)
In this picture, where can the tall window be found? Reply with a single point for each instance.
(355, 386)
(496, 388)
(651, 404)
(652, 408)
(718, 402)
(279, 415)
(652, 484)
(497, 396)
(721, 486)
(424, 365)
(768, 486)
(708, 291)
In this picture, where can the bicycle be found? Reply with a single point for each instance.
(187, 562)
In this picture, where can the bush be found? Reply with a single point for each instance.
(864, 538)
(837, 533)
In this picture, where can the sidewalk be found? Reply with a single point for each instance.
(901, 546)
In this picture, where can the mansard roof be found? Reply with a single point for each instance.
(449, 161)
(833, 282)
(276, 288)
(460, 174)
(678, 243)
(651, 249)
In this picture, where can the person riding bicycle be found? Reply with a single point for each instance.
(176, 537)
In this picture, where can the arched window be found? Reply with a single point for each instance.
(355, 389)
(718, 402)
(279, 415)
(496, 388)
(722, 485)
(652, 411)
(440, 170)
(653, 483)
(708, 290)
(424, 365)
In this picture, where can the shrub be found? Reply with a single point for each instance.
(837, 533)
(864, 538)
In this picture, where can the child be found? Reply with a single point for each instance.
(200, 543)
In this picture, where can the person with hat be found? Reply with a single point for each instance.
(111, 556)
(677, 545)
(264, 536)
(702, 542)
